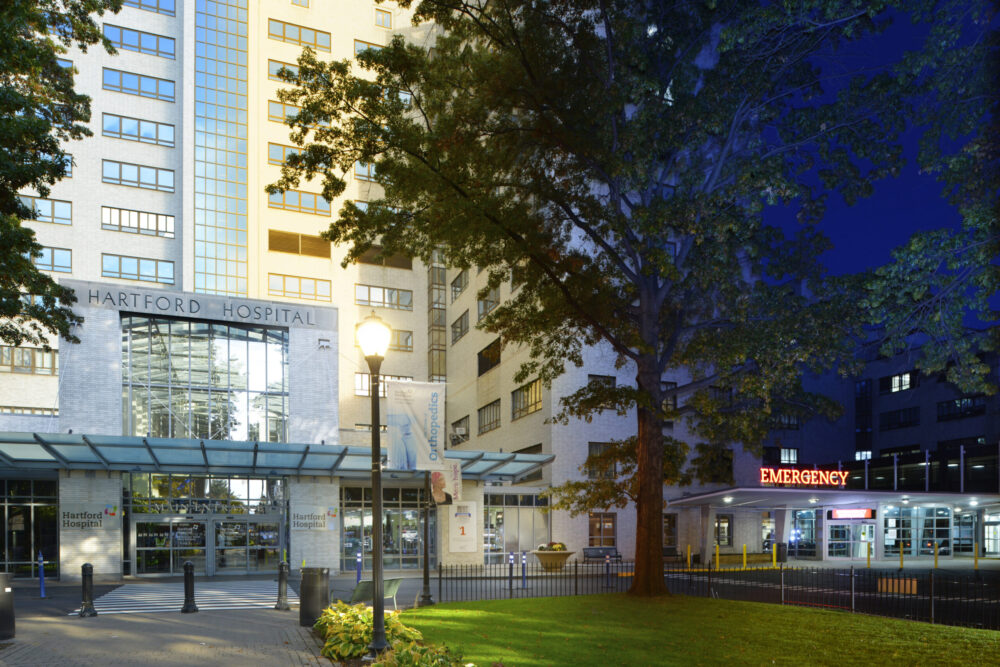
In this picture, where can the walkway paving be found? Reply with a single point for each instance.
(210, 595)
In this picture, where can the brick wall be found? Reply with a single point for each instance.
(319, 548)
(90, 492)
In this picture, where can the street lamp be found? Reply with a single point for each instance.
(373, 336)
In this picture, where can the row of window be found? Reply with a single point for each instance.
(958, 408)
(524, 401)
(112, 218)
(363, 384)
(28, 360)
(143, 42)
(21, 410)
(144, 269)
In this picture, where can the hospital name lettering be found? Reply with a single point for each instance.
(176, 305)
(803, 477)
(82, 520)
(308, 521)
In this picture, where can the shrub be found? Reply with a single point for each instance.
(347, 631)
(551, 546)
(413, 654)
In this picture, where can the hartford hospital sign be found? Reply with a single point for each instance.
(200, 306)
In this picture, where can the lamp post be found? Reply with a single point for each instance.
(425, 595)
(373, 336)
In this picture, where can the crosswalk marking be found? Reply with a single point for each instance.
(169, 597)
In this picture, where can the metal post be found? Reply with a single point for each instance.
(689, 557)
(975, 555)
(961, 469)
(927, 470)
(282, 604)
(866, 474)
(895, 472)
(852, 589)
(576, 577)
(869, 555)
(781, 573)
(425, 595)
(744, 556)
(358, 566)
(935, 554)
(524, 569)
(902, 547)
(87, 606)
(607, 571)
(189, 606)
(440, 579)
(379, 643)
(510, 573)
(41, 576)
(930, 576)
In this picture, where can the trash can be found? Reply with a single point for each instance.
(6, 607)
(314, 594)
(782, 555)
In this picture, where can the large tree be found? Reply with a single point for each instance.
(613, 158)
(39, 112)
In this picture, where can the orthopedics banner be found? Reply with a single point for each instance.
(414, 420)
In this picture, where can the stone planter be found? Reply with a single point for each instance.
(553, 561)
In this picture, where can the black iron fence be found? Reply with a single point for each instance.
(970, 599)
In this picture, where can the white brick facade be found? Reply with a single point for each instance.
(90, 524)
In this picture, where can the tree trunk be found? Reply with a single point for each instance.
(648, 579)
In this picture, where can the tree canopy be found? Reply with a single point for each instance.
(613, 158)
(39, 112)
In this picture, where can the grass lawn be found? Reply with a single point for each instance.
(680, 630)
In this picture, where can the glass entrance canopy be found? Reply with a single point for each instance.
(69, 451)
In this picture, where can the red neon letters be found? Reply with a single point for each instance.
(803, 477)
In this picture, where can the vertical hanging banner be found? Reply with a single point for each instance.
(414, 416)
(462, 528)
(446, 484)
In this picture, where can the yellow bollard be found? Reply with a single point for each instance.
(717, 557)
(869, 555)
(901, 554)
(744, 556)
(935, 554)
(975, 553)
(689, 556)
(774, 554)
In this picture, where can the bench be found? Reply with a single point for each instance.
(365, 591)
(670, 555)
(599, 553)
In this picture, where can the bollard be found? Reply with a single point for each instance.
(852, 589)
(781, 573)
(524, 570)
(935, 558)
(189, 606)
(975, 555)
(41, 576)
(282, 604)
(901, 547)
(358, 567)
(7, 629)
(869, 566)
(774, 554)
(689, 556)
(717, 557)
(744, 556)
(930, 592)
(510, 573)
(87, 606)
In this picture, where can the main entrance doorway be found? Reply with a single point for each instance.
(851, 540)
(215, 544)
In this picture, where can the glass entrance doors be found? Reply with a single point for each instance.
(851, 540)
(229, 545)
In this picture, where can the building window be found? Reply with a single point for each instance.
(488, 303)
(277, 154)
(136, 129)
(299, 35)
(300, 3)
(383, 297)
(138, 84)
(892, 384)
(297, 244)
(54, 259)
(789, 455)
(526, 399)
(536, 474)
(595, 449)
(460, 431)
(143, 42)
(377, 257)
(19, 410)
(670, 531)
(360, 46)
(158, 6)
(137, 268)
(785, 422)
(298, 287)
(279, 112)
(137, 176)
(489, 417)
(275, 66)
(383, 19)
(64, 63)
(954, 444)
(602, 529)
(68, 162)
(460, 327)
(608, 381)
(489, 356)
(724, 530)
(888, 421)
(49, 210)
(961, 408)
(300, 202)
(28, 360)
(459, 284)
(863, 455)
(364, 171)
(363, 383)
(137, 222)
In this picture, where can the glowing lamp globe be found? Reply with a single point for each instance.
(373, 336)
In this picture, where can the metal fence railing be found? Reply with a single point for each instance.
(970, 599)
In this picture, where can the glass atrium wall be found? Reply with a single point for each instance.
(30, 511)
(185, 379)
(402, 528)
(513, 522)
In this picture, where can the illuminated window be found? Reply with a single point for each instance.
(138, 84)
(137, 268)
(136, 129)
(54, 259)
(302, 202)
(383, 19)
(137, 222)
(602, 529)
(892, 384)
(363, 383)
(383, 297)
(298, 287)
(724, 530)
(960, 408)
(862, 455)
(143, 42)
(296, 34)
(49, 210)
(789, 455)
(489, 417)
(525, 400)
(137, 176)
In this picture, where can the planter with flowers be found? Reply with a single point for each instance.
(552, 556)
